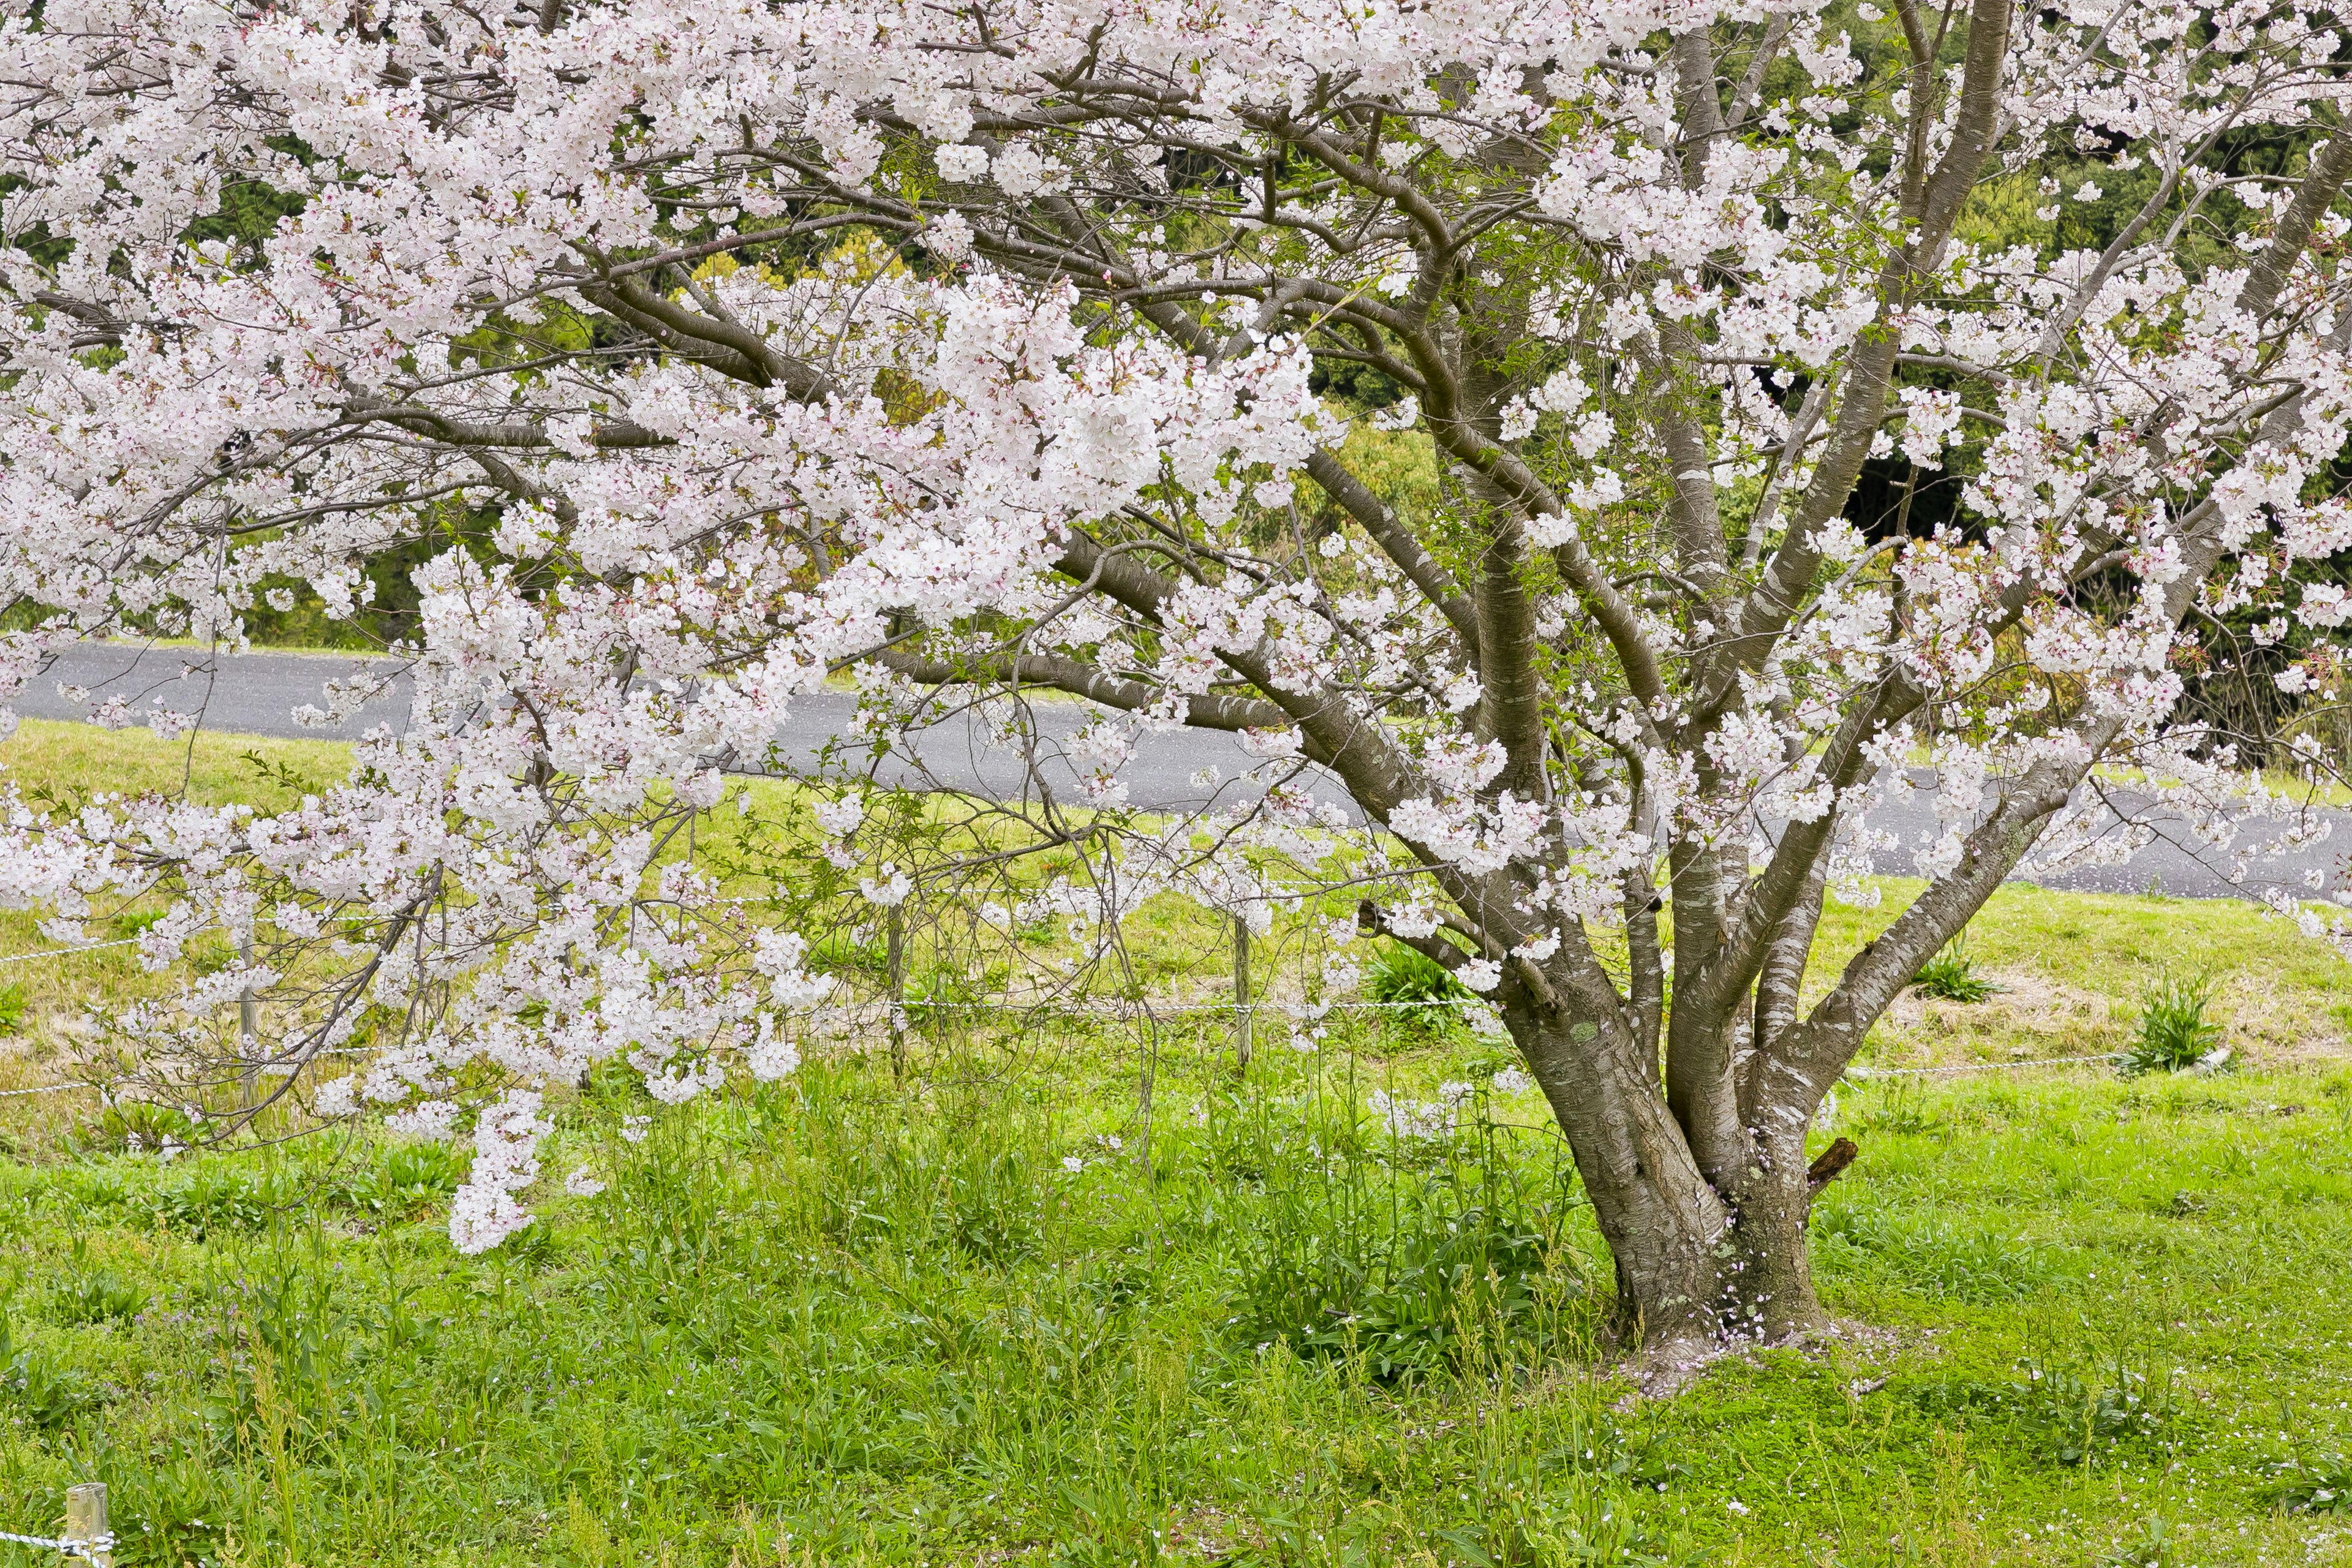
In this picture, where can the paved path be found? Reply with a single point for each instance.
(257, 694)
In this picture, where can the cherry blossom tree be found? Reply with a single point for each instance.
(690, 354)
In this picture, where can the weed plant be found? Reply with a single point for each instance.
(2173, 1033)
(1410, 1261)
(1951, 976)
(2070, 1415)
(1420, 995)
(2312, 1484)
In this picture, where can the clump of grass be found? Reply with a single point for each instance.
(2174, 1034)
(1437, 1288)
(949, 997)
(2151, 1548)
(1419, 992)
(1952, 975)
(13, 1002)
(139, 922)
(48, 1397)
(2311, 1484)
(99, 1298)
(843, 953)
(2059, 1415)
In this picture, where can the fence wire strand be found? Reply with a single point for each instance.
(89, 1551)
(66, 952)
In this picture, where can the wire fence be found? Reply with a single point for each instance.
(900, 1011)
(86, 1537)
(66, 952)
(99, 1550)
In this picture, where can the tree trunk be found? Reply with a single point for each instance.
(1696, 1268)
(1771, 1285)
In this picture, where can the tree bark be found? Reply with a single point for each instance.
(1771, 1286)
(1699, 1264)
(1691, 1274)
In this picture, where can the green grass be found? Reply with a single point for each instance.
(2174, 1034)
(844, 1320)
(956, 1319)
(1421, 993)
(1951, 976)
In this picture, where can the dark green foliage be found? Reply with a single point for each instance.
(1418, 992)
(98, 1297)
(1360, 385)
(400, 1181)
(138, 923)
(837, 952)
(2057, 1413)
(2311, 1484)
(2174, 1033)
(1406, 1278)
(992, 1205)
(168, 1513)
(248, 214)
(1419, 1301)
(48, 1397)
(211, 1199)
(144, 1126)
(1952, 975)
(13, 1003)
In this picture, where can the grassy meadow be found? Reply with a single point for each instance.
(959, 1318)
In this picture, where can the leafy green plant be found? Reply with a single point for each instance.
(1418, 993)
(1418, 1300)
(949, 996)
(1538, 1532)
(991, 1207)
(1594, 1442)
(139, 922)
(213, 1198)
(47, 1398)
(13, 1003)
(168, 1514)
(144, 1126)
(1951, 976)
(100, 1297)
(2059, 1413)
(842, 952)
(2152, 1547)
(2174, 1033)
(404, 1179)
(2311, 1484)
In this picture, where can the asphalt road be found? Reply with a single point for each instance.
(258, 693)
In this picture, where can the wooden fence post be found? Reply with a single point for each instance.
(1240, 994)
(86, 1522)
(249, 1028)
(898, 990)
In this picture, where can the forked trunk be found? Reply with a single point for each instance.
(1696, 1267)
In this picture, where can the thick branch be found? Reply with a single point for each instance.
(1870, 373)
(729, 348)
(1398, 543)
(1203, 711)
